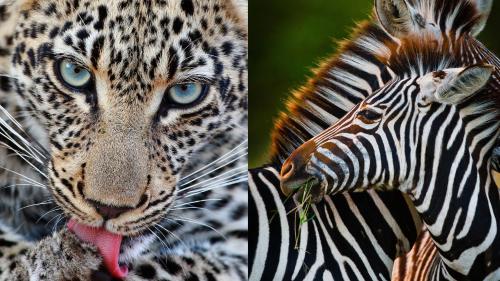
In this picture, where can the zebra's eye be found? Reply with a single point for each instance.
(187, 94)
(74, 75)
(369, 115)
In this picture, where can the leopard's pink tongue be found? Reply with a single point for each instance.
(108, 244)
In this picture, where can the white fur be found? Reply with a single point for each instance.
(468, 81)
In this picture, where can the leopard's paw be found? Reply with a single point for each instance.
(63, 257)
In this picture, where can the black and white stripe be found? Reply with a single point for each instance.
(346, 79)
(349, 237)
(431, 136)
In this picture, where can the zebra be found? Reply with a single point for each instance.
(430, 133)
(347, 237)
(376, 235)
(313, 109)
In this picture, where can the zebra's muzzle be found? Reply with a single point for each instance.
(293, 173)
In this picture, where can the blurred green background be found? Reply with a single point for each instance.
(288, 38)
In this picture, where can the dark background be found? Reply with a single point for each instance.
(288, 38)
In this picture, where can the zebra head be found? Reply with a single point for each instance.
(398, 133)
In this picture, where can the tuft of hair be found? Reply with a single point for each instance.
(301, 121)
(419, 55)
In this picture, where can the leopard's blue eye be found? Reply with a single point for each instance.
(73, 74)
(186, 94)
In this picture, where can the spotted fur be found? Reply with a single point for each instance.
(121, 143)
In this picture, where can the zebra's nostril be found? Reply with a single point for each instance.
(293, 173)
(297, 161)
(109, 212)
(287, 170)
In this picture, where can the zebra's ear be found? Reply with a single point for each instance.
(484, 8)
(394, 16)
(454, 85)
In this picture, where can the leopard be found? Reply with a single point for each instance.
(123, 120)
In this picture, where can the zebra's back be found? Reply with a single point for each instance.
(347, 237)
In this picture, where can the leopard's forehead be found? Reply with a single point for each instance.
(133, 45)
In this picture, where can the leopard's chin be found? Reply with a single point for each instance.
(134, 246)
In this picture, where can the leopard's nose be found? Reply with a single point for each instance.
(109, 212)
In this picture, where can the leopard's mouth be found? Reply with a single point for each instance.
(116, 250)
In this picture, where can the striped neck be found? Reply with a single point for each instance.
(457, 197)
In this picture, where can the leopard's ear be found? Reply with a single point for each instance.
(9, 5)
(241, 10)
(17, 5)
(9, 12)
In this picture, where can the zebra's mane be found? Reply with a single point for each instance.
(301, 121)
(419, 55)
(318, 104)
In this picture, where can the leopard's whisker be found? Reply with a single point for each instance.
(82, 22)
(238, 169)
(57, 216)
(23, 176)
(197, 223)
(161, 233)
(29, 144)
(9, 116)
(48, 212)
(185, 185)
(46, 202)
(27, 161)
(23, 156)
(19, 184)
(173, 234)
(215, 186)
(16, 153)
(61, 217)
(239, 126)
(25, 113)
(197, 201)
(211, 179)
(189, 208)
(158, 237)
(24, 148)
(20, 154)
(219, 159)
(224, 176)
(18, 145)
(230, 172)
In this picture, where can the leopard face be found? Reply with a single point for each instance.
(127, 92)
